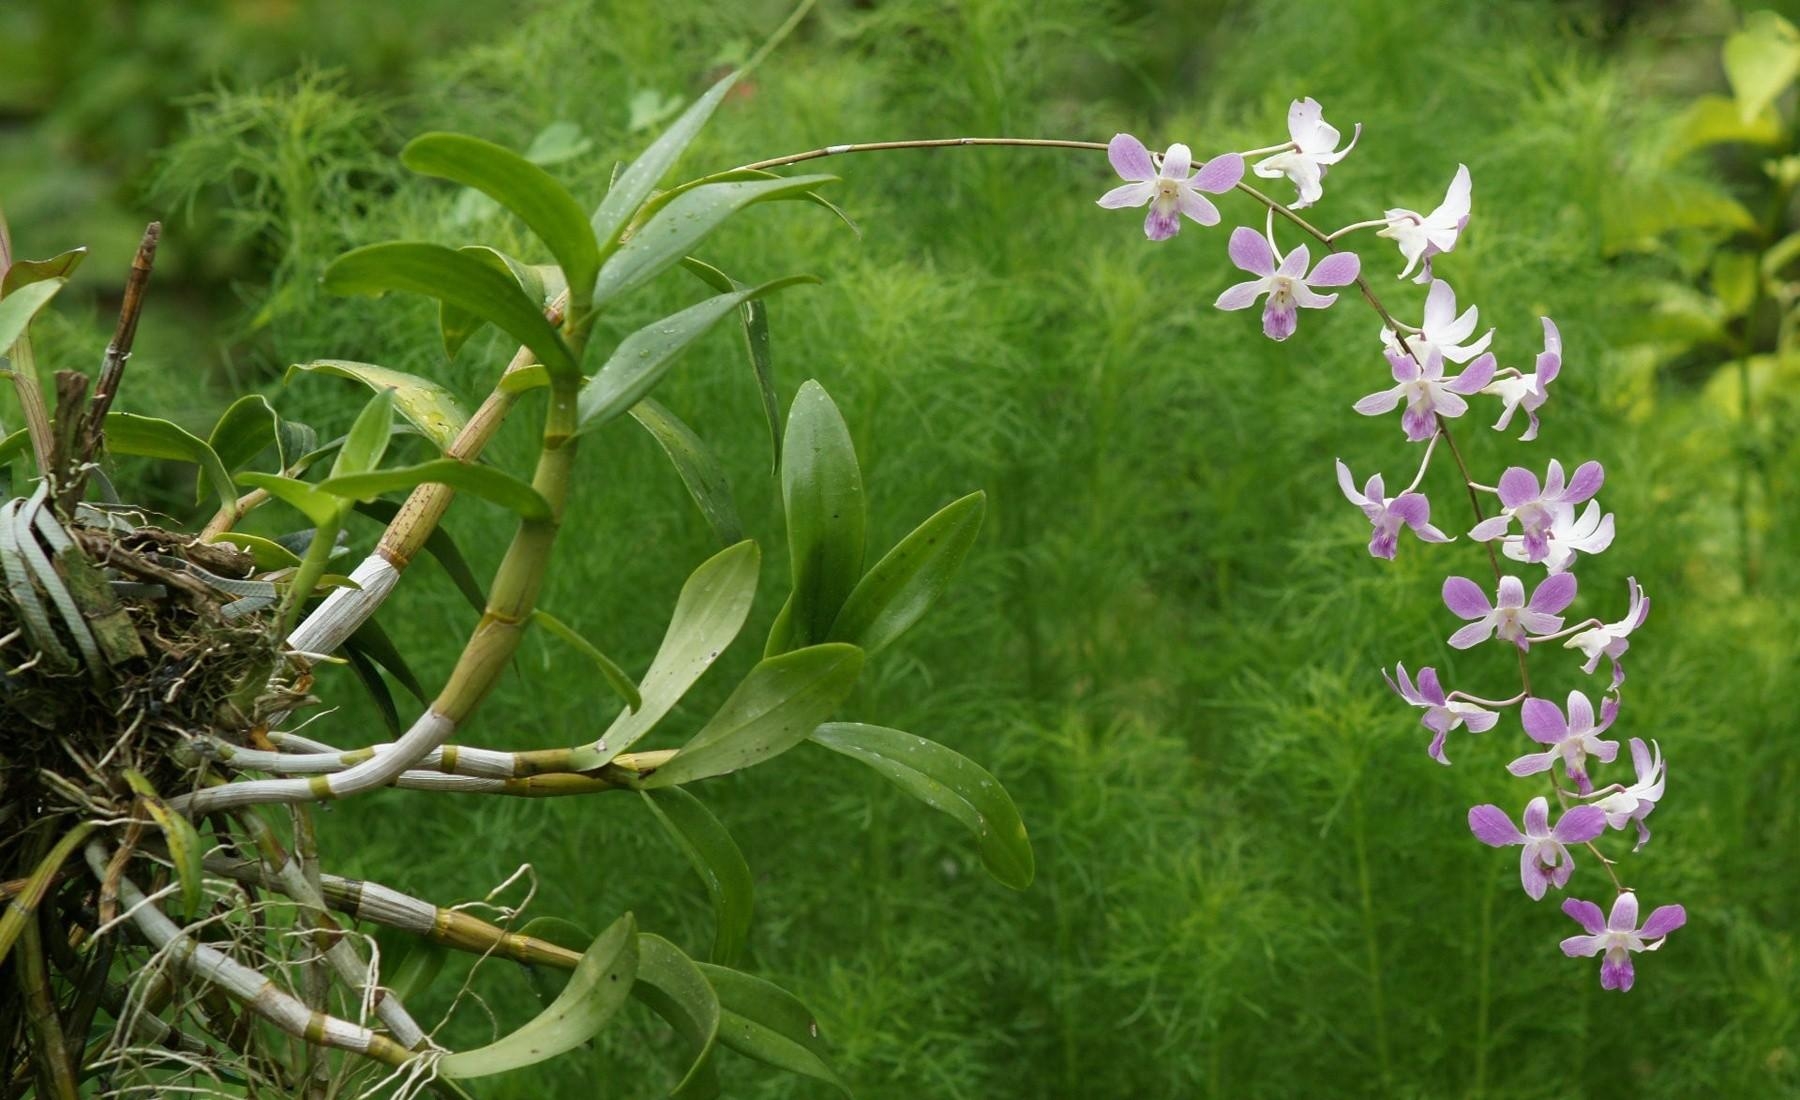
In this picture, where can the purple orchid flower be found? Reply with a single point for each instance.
(1170, 191)
(1315, 150)
(1536, 508)
(1529, 391)
(1572, 741)
(1511, 617)
(1441, 714)
(1284, 279)
(1569, 537)
(1619, 936)
(1422, 236)
(1613, 639)
(1623, 805)
(1427, 393)
(1441, 329)
(1389, 514)
(1545, 862)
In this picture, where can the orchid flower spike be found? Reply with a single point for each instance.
(1535, 508)
(1572, 741)
(1529, 391)
(1284, 279)
(1510, 618)
(1619, 935)
(1315, 149)
(1170, 191)
(1634, 803)
(1441, 714)
(1389, 514)
(1422, 236)
(1545, 862)
(1613, 639)
(1442, 330)
(1427, 393)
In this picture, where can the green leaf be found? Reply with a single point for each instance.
(370, 677)
(822, 493)
(320, 507)
(373, 642)
(269, 554)
(368, 437)
(131, 434)
(18, 308)
(904, 584)
(1761, 61)
(243, 431)
(718, 861)
(755, 324)
(708, 614)
(458, 325)
(1643, 209)
(439, 545)
(418, 968)
(183, 840)
(615, 676)
(945, 781)
(684, 223)
(427, 406)
(481, 481)
(672, 984)
(519, 185)
(1734, 281)
(450, 276)
(595, 992)
(635, 183)
(699, 468)
(525, 379)
(1714, 120)
(761, 1020)
(733, 175)
(25, 272)
(1780, 254)
(775, 708)
(641, 359)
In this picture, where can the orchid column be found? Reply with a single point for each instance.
(1524, 523)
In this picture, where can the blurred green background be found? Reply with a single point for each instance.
(1252, 880)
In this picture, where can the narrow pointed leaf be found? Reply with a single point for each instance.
(269, 554)
(778, 704)
(19, 307)
(449, 276)
(708, 614)
(598, 987)
(672, 985)
(641, 359)
(368, 437)
(481, 481)
(904, 584)
(734, 175)
(822, 493)
(698, 467)
(458, 325)
(418, 968)
(718, 861)
(369, 676)
(666, 238)
(185, 850)
(754, 318)
(761, 1020)
(947, 781)
(427, 406)
(243, 431)
(1761, 60)
(131, 434)
(633, 185)
(25, 272)
(23, 904)
(615, 676)
(519, 185)
(320, 507)
(374, 642)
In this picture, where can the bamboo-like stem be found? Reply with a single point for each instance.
(291, 877)
(456, 760)
(378, 904)
(241, 982)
